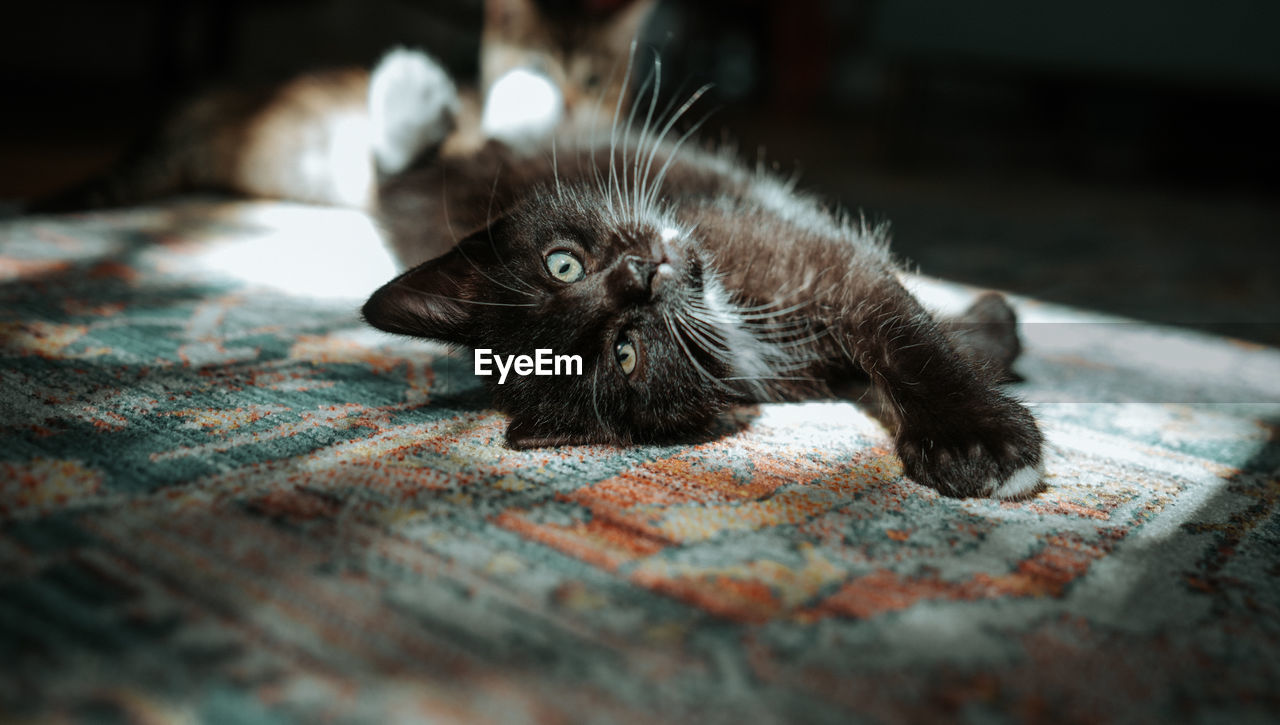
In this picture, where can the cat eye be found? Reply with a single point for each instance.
(592, 81)
(625, 351)
(564, 267)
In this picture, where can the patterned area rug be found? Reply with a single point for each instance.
(223, 499)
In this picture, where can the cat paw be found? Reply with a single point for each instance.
(522, 109)
(412, 107)
(994, 451)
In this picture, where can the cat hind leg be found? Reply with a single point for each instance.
(412, 107)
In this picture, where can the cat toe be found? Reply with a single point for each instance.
(412, 106)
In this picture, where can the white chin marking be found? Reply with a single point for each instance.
(1021, 483)
(522, 108)
(412, 104)
(669, 233)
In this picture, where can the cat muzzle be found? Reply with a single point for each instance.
(633, 279)
(665, 274)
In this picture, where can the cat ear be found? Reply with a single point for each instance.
(627, 23)
(431, 300)
(525, 432)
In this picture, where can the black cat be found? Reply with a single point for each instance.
(687, 284)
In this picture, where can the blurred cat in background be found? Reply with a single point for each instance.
(310, 139)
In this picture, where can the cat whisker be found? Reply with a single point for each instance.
(760, 322)
(801, 342)
(689, 355)
(595, 398)
(602, 184)
(425, 293)
(776, 361)
(797, 363)
(778, 348)
(656, 140)
(778, 300)
(714, 326)
(672, 120)
(778, 339)
(772, 314)
(640, 183)
(509, 288)
(449, 225)
(806, 378)
(762, 327)
(633, 182)
(709, 323)
(712, 329)
(656, 182)
(662, 173)
(614, 183)
(778, 336)
(555, 168)
(768, 326)
(488, 225)
(715, 348)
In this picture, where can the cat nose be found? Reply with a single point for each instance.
(662, 274)
(634, 276)
(641, 271)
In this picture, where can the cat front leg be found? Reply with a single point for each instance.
(955, 432)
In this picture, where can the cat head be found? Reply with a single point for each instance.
(582, 50)
(633, 296)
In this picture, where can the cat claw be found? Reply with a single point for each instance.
(412, 107)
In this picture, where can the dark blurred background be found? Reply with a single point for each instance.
(1118, 155)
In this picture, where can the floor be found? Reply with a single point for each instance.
(225, 501)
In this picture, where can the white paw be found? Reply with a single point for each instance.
(412, 106)
(1023, 482)
(522, 108)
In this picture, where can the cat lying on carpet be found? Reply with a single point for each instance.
(685, 283)
(682, 282)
